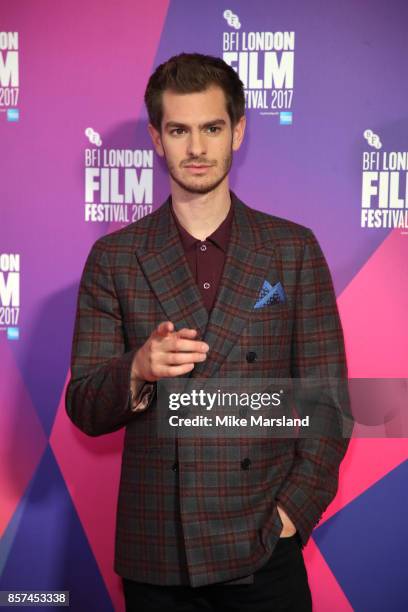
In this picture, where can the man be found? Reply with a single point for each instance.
(218, 525)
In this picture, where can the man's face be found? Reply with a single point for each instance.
(196, 138)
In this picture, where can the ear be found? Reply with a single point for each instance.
(238, 133)
(156, 139)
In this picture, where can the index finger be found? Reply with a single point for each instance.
(186, 332)
(185, 345)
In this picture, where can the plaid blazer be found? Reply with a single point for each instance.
(204, 511)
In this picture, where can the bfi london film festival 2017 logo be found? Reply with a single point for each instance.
(10, 294)
(384, 193)
(9, 75)
(118, 182)
(265, 63)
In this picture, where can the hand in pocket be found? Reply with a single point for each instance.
(289, 529)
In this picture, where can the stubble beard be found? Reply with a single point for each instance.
(204, 187)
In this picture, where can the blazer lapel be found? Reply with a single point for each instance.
(167, 270)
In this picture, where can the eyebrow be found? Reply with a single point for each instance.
(176, 124)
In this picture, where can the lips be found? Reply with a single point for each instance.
(196, 169)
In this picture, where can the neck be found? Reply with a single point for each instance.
(201, 213)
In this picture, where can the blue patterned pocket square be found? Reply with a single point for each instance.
(271, 294)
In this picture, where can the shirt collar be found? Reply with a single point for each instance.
(219, 237)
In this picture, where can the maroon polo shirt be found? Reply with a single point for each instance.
(206, 258)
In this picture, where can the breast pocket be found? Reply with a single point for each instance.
(280, 310)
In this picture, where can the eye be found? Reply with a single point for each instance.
(213, 129)
(177, 131)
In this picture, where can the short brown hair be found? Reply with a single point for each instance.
(193, 72)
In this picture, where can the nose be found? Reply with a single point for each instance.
(196, 144)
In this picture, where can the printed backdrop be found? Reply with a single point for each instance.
(326, 146)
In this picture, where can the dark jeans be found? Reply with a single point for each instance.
(281, 584)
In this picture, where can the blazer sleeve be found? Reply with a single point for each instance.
(317, 351)
(98, 396)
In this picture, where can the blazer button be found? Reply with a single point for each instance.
(251, 356)
(245, 463)
(175, 466)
